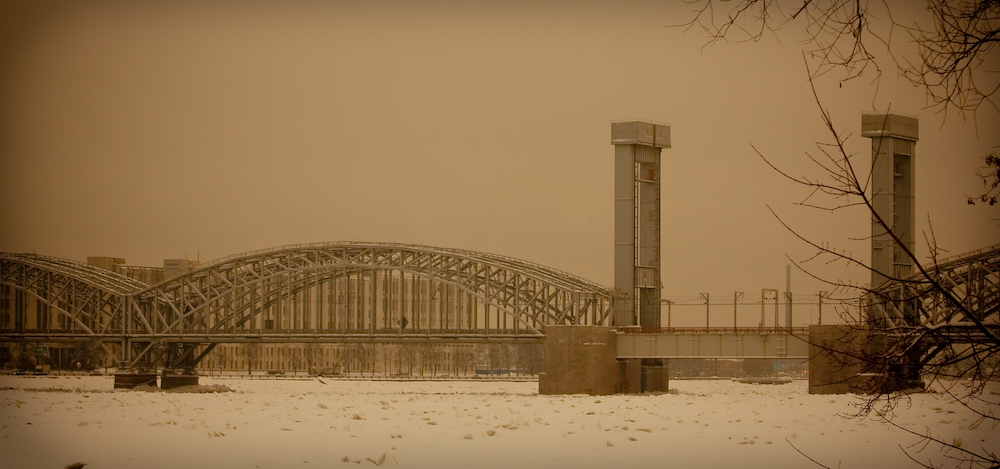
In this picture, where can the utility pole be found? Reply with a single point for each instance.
(763, 303)
(669, 304)
(788, 296)
(821, 294)
(736, 301)
(704, 296)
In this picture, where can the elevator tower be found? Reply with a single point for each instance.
(894, 140)
(637, 221)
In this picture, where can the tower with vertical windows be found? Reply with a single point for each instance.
(637, 221)
(894, 139)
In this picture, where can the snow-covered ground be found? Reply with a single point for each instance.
(51, 422)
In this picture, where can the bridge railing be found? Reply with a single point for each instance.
(977, 252)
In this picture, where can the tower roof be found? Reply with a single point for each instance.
(889, 125)
(640, 133)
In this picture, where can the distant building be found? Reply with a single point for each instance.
(106, 263)
(149, 275)
(173, 267)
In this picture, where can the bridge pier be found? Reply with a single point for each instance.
(848, 359)
(170, 380)
(584, 360)
(133, 379)
(655, 375)
(580, 360)
(834, 363)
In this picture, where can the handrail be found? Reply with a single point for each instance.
(977, 252)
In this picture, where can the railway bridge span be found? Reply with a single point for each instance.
(308, 293)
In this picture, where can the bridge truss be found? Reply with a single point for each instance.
(957, 304)
(330, 292)
(380, 292)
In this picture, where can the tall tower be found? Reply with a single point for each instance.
(637, 221)
(894, 139)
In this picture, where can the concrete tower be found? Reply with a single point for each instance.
(637, 221)
(894, 139)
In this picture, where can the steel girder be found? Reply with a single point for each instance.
(964, 310)
(330, 292)
(47, 299)
(76, 299)
(375, 290)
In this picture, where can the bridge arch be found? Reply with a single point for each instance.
(370, 290)
(973, 279)
(73, 297)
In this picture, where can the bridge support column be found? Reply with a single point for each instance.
(655, 375)
(631, 375)
(639, 375)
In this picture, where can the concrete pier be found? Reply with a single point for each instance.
(171, 380)
(130, 380)
(584, 360)
(580, 360)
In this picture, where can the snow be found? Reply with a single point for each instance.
(56, 421)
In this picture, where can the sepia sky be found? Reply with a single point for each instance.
(157, 130)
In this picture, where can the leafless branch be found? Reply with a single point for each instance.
(806, 455)
(882, 343)
(957, 62)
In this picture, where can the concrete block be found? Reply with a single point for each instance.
(580, 360)
(131, 380)
(835, 359)
(846, 359)
(655, 377)
(631, 381)
(170, 381)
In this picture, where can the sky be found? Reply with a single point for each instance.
(205, 129)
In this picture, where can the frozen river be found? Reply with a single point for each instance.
(52, 422)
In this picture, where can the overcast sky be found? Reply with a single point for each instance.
(168, 130)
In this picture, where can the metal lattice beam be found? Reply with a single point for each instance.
(329, 292)
(72, 298)
(969, 296)
(373, 289)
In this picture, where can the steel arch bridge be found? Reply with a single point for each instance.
(914, 307)
(329, 292)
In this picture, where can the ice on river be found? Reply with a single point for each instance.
(52, 422)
